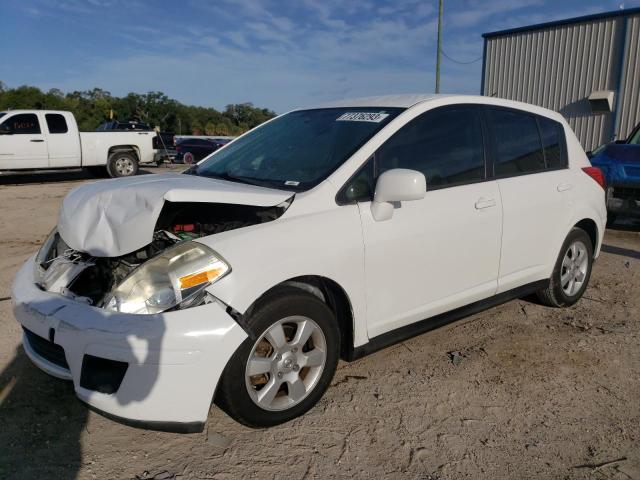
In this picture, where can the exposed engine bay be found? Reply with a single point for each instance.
(89, 278)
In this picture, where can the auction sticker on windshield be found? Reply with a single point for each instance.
(375, 117)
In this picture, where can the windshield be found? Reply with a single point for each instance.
(635, 137)
(298, 150)
(2, 114)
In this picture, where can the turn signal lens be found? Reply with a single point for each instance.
(196, 279)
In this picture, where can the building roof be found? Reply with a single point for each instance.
(567, 21)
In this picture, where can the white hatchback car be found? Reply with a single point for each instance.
(325, 233)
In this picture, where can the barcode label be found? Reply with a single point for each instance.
(375, 117)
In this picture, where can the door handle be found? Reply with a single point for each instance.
(37, 140)
(143, 133)
(563, 187)
(483, 203)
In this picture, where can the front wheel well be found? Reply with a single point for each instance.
(590, 227)
(331, 293)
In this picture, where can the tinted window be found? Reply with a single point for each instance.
(553, 143)
(517, 143)
(23, 123)
(297, 150)
(445, 144)
(361, 186)
(56, 123)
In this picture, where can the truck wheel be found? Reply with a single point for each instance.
(283, 371)
(122, 164)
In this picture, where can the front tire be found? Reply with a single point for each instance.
(282, 373)
(572, 271)
(122, 164)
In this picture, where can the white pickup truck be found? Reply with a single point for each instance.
(47, 139)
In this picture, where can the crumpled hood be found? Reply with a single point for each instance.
(111, 218)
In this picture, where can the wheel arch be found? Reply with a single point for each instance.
(331, 293)
(591, 228)
(125, 148)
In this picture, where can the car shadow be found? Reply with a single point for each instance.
(40, 423)
(42, 420)
(624, 252)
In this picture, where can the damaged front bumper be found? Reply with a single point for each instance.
(157, 371)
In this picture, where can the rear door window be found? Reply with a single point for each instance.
(517, 145)
(56, 123)
(23, 124)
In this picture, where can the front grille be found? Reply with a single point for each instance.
(46, 349)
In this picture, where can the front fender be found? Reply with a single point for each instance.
(327, 243)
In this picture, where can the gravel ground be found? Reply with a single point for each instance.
(518, 391)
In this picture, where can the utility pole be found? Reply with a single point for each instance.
(438, 55)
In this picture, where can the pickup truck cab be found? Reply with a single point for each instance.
(47, 139)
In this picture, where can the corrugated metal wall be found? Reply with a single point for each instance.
(559, 66)
(629, 113)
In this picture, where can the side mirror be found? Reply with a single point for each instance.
(397, 185)
(5, 129)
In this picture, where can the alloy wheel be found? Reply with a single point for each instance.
(574, 268)
(286, 363)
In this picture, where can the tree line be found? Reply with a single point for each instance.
(93, 107)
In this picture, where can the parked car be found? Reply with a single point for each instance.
(47, 139)
(325, 233)
(163, 142)
(620, 164)
(191, 149)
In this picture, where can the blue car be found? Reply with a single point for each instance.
(620, 163)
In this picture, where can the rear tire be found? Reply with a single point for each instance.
(265, 384)
(122, 164)
(572, 271)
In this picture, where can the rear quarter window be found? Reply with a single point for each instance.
(553, 143)
(56, 123)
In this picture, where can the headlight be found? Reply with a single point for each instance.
(175, 277)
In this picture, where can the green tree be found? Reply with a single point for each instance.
(92, 107)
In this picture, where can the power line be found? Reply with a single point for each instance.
(459, 62)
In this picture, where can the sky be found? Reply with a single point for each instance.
(278, 54)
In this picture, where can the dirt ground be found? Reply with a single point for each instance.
(530, 392)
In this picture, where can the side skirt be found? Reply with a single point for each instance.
(404, 333)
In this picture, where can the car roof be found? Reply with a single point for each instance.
(410, 100)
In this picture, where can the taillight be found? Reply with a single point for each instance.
(596, 174)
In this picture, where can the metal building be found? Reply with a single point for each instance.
(586, 68)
